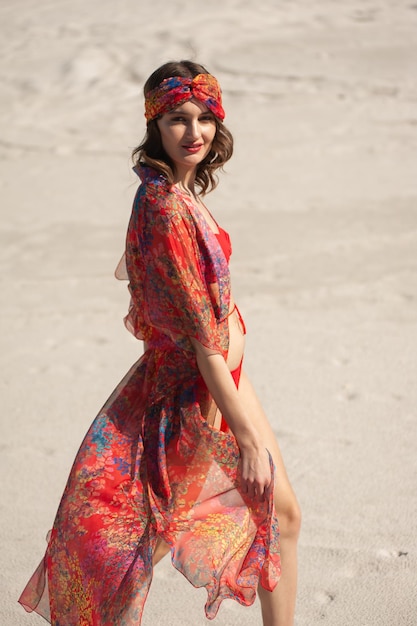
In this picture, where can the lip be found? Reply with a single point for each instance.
(193, 148)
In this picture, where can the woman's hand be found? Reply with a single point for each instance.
(255, 469)
(255, 473)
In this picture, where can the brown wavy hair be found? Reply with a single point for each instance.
(151, 152)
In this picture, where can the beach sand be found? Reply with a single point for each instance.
(320, 200)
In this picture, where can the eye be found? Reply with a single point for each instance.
(207, 117)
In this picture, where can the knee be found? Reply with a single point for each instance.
(289, 518)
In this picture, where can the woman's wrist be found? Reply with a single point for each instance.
(249, 442)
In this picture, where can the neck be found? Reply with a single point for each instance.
(185, 181)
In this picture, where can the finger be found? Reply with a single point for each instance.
(260, 492)
(252, 490)
(246, 487)
(265, 491)
(263, 494)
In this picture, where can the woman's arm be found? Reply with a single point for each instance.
(254, 466)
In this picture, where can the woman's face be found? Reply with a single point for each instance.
(187, 134)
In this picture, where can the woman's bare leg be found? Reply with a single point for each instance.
(278, 607)
(161, 550)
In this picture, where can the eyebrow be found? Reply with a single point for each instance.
(182, 112)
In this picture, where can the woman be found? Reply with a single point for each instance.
(182, 456)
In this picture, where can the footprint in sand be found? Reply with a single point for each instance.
(348, 393)
(324, 599)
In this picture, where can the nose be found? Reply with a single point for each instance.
(194, 129)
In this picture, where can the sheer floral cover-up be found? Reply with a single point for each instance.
(150, 465)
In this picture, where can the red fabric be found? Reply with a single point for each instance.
(226, 245)
(175, 90)
(150, 464)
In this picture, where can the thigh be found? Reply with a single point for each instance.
(285, 499)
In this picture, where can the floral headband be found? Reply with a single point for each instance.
(176, 90)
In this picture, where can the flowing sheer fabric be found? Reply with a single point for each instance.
(150, 465)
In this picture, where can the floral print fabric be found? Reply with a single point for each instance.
(150, 465)
(176, 90)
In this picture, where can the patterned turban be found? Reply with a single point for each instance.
(176, 90)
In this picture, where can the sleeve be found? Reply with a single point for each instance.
(175, 296)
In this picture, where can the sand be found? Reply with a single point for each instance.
(320, 199)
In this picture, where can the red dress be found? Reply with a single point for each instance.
(150, 465)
